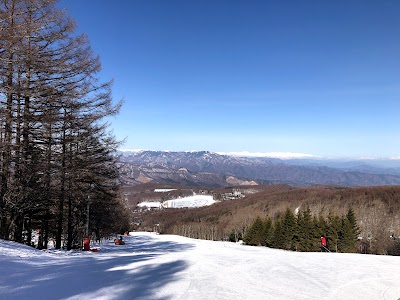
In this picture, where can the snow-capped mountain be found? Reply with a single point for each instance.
(212, 169)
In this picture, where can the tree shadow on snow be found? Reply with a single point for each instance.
(146, 244)
(117, 273)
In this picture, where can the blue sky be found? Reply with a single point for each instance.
(315, 77)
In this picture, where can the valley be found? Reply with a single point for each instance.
(208, 169)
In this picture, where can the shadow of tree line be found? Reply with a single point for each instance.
(93, 276)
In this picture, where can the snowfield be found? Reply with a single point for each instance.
(190, 201)
(185, 202)
(161, 267)
(150, 204)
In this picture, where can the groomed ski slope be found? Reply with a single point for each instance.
(151, 266)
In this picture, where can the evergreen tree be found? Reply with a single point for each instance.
(278, 235)
(349, 233)
(253, 234)
(334, 226)
(394, 248)
(267, 233)
(289, 230)
(320, 229)
(321, 225)
(235, 236)
(306, 234)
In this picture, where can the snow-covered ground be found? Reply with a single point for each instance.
(150, 204)
(184, 202)
(190, 201)
(164, 190)
(162, 267)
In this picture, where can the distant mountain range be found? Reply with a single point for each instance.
(204, 168)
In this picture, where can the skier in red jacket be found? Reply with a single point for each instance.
(323, 244)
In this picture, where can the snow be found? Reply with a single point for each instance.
(190, 201)
(151, 266)
(150, 204)
(296, 211)
(131, 150)
(281, 155)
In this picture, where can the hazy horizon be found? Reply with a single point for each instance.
(279, 155)
(305, 77)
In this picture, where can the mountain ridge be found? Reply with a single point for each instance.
(213, 169)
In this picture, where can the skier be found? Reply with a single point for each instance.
(323, 244)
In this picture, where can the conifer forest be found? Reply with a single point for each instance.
(58, 175)
(302, 232)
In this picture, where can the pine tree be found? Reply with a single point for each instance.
(267, 233)
(334, 226)
(306, 230)
(253, 234)
(394, 248)
(320, 229)
(289, 230)
(278, 235)
(349, 232)
(321, 225)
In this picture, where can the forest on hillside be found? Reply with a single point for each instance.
(376, 213)
(303, 232)
(58, 174)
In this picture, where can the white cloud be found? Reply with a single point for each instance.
(379, 158)
(281, 155)
(130, 150)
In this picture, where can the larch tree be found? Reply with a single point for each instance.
(55, 151)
